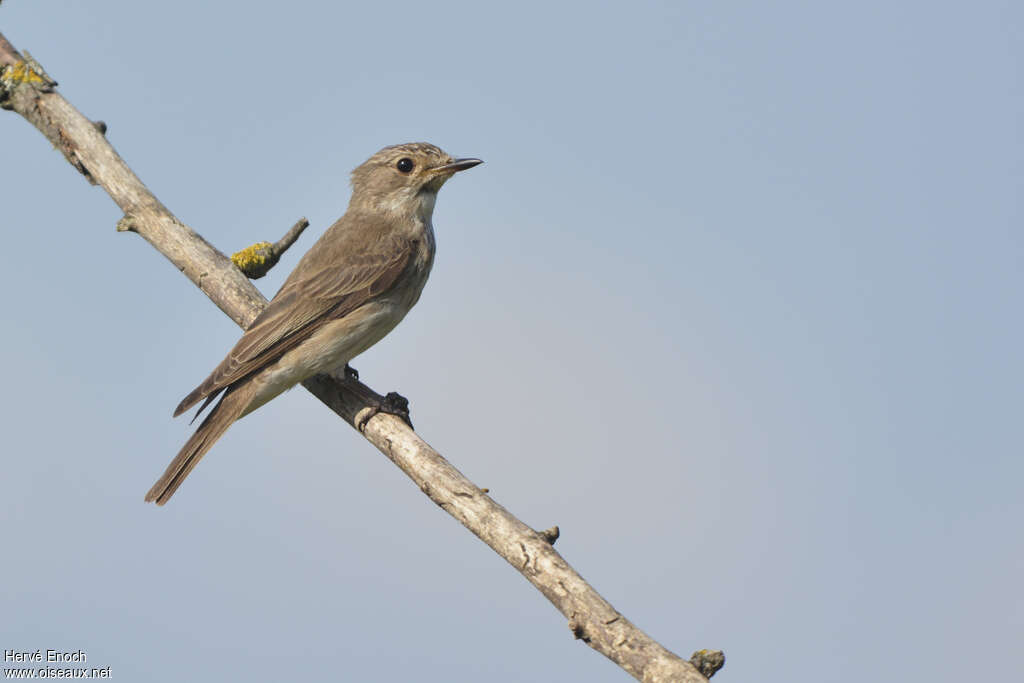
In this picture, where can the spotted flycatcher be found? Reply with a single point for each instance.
(349, 290)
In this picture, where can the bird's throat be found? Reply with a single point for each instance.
(408, 205)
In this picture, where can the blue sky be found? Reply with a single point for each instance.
(735, 301)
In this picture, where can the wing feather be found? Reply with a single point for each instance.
(314, 294)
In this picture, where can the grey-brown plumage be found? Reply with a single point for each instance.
(349, 290)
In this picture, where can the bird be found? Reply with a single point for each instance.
(352, 287)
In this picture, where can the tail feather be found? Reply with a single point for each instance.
(230, 408)
(209, 399)
(197, 395)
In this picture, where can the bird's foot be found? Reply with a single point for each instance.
(351, 373)
(392, 404)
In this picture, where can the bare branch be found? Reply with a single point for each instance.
(26, 89)
(289, 238)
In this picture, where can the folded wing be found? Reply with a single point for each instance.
(315, 294)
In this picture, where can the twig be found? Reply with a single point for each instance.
(257, 260)
(26, 90)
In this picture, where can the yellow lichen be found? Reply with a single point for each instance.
(21, 72)
(253, 256)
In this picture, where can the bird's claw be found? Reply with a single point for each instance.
(392, 404)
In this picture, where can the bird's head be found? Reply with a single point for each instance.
(404, 179)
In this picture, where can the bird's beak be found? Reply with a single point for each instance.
(456, 166)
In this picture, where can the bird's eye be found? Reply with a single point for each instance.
(405, 165)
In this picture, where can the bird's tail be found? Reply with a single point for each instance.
(228, 409)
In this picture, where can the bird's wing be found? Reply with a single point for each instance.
(309, 298)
